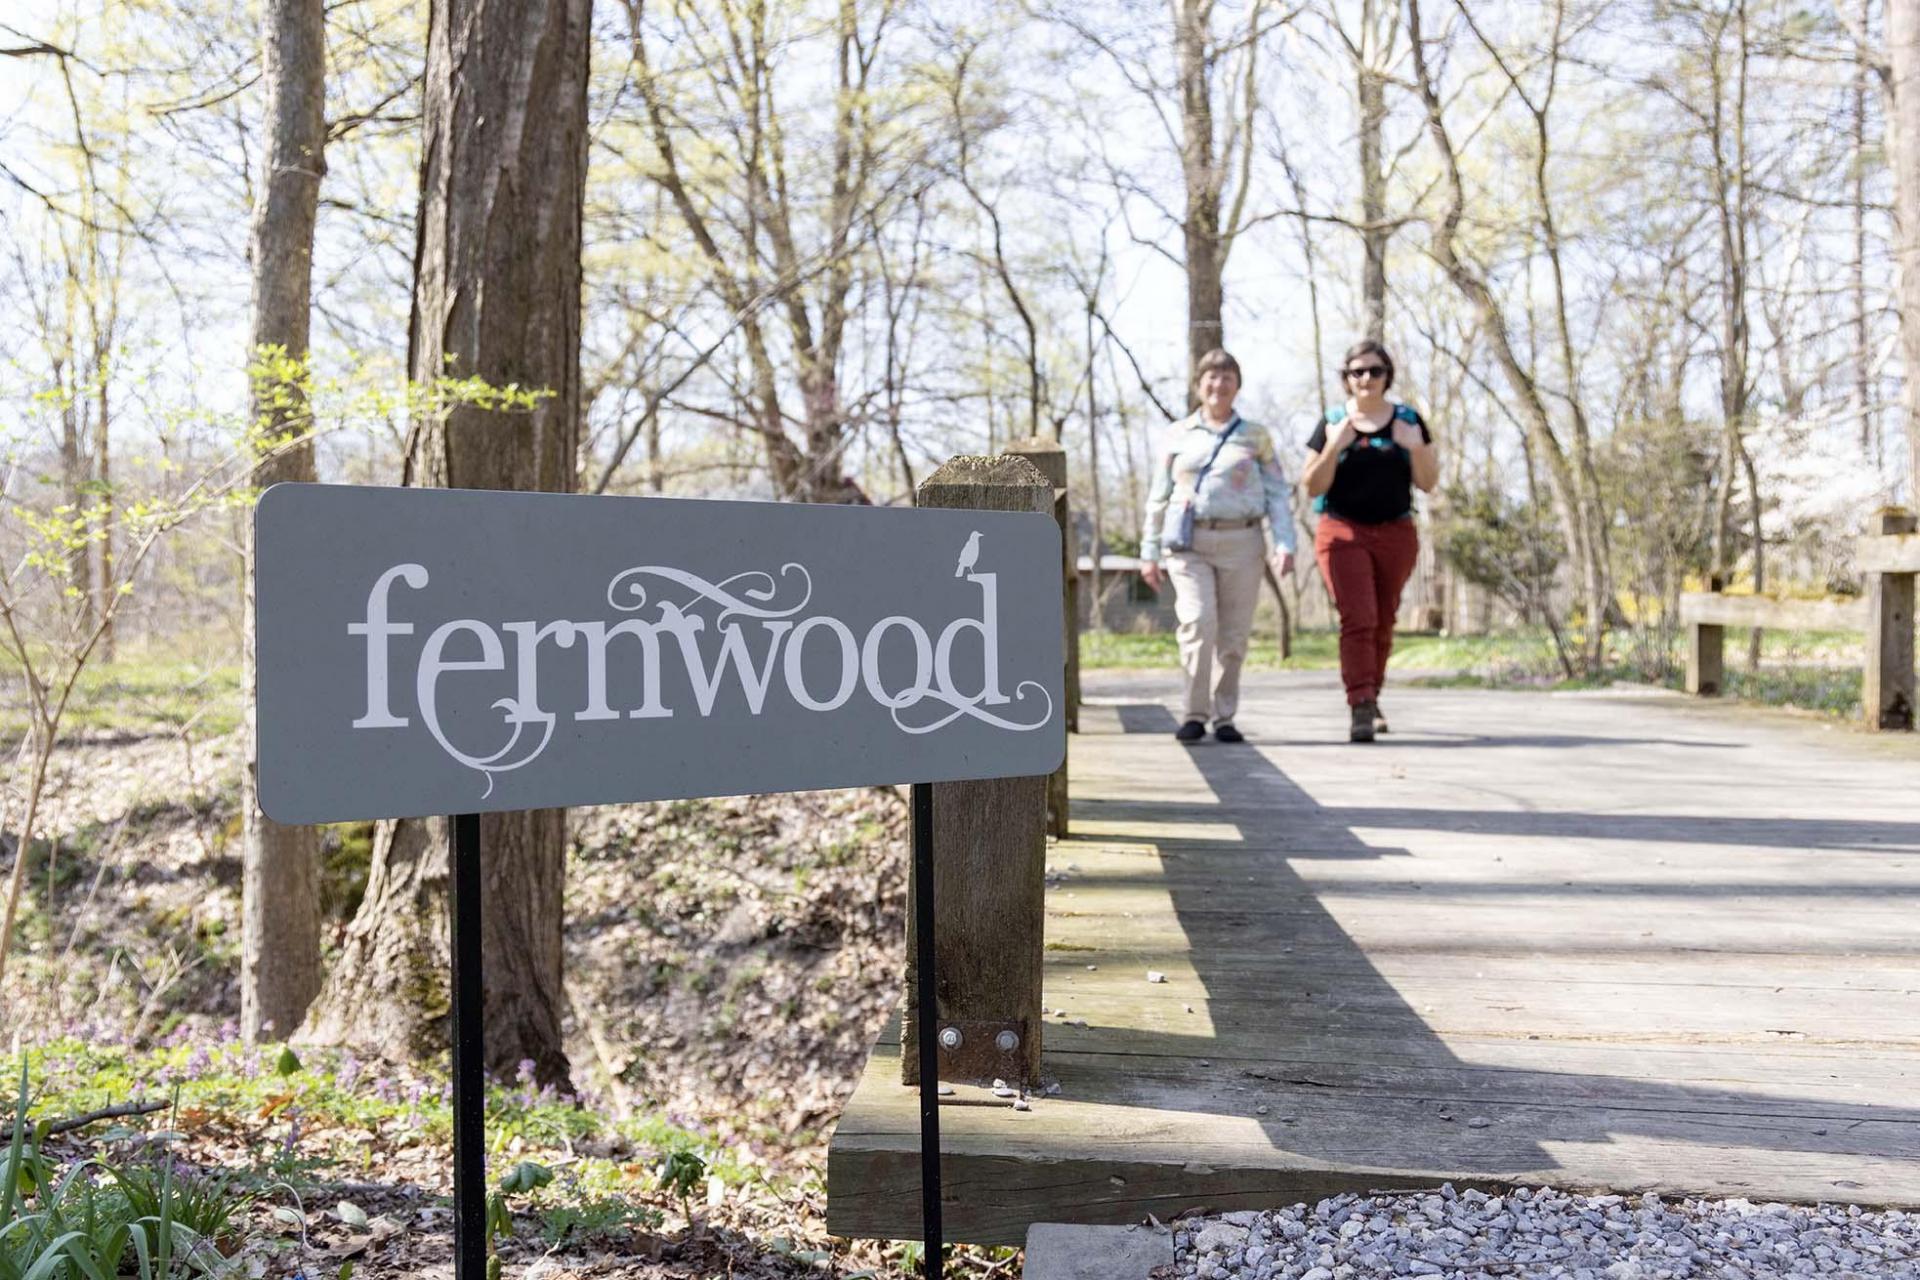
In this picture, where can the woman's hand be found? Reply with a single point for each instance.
(1318, 476)
(1280, 560)
(1151, 575)
(1420, 451)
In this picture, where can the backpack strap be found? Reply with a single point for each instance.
(1331, 418)
(1338, 414)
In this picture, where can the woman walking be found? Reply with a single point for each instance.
(1216, 478)
(1365, 459)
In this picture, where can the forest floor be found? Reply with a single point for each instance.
(729, 964)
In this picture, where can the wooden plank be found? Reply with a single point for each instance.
(990, 847)
(1653, 945)
(1769, 611)
(1887, 694)
(1888, 553)
(1070, 1160)
(1789, 1065)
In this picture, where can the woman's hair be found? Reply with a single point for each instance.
(1367, 347)
(1217, 359)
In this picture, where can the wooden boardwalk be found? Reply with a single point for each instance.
(1598, 941)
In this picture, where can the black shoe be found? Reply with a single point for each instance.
(1191, 731)
(1228, 734)
(1361, 730)
(1379, 719)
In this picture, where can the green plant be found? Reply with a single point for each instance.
(82, 1227)
(599, 1216)
(156, 1191)
(681, 1170)
(1509, 548)
(523, 1178)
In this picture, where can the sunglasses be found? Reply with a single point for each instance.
(1368, 371)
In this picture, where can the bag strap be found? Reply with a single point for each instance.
(1218, 445)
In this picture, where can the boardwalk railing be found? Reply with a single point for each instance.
(1889, 554)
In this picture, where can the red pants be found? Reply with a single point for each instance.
(1365, 566)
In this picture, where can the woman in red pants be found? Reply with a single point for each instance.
(1365, 459)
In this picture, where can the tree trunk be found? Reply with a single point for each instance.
(280, 877)
(104, 582)
(1373, 203)
(74, 468)
(496, 295)
(1206, 294)
(1870, 444)
(1903, 121)
(1562, 482)
(1096, 614)
(1735, 216)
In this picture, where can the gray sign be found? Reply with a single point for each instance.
(428, 651)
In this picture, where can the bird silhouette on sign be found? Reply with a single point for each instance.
(969, 555)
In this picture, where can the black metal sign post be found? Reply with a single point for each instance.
(469, 1056)
(929, 1027)
(469, 1045)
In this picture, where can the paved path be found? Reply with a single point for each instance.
(1595, 940)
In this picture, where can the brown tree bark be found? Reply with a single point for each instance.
(1374, 232)
(1370, 44)
(280, 876)
(497, 295)
(1205, 259)
(1728, 145)
(1903, 128)
(1870, 444)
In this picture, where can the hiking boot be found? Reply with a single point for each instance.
(1191, 731)
(1227, 733)
(1364, 714)
(1379, 719)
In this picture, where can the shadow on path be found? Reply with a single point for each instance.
(1353, 1078)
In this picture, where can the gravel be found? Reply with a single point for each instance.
(1542, 1234)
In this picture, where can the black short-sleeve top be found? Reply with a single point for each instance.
(1373, 481)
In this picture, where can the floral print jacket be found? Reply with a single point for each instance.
(1246, 480)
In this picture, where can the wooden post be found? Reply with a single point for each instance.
(990, 856)
(1887, 695)
(1706, 671)
(1050, 456)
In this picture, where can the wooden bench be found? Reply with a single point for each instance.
(1890, 557)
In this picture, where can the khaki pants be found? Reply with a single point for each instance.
(1215, 586)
